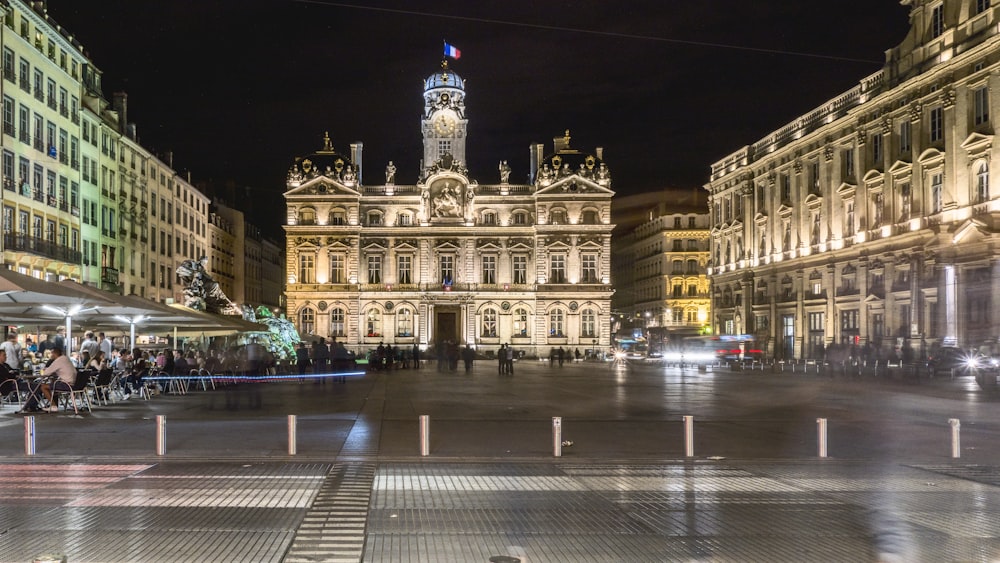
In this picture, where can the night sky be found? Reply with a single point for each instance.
(238, 88)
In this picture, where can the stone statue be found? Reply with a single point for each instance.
(603, 175)
(390, 173)
(349, 175)
(201, 292)
(294, 175)
(504, 172)
(446, 203)
(546, 175)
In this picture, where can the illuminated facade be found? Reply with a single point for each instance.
(660, 268)
(873, 219)
(447, 258)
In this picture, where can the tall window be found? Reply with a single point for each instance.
(307, 319)
(849, 219)
(489, 269)
(981, 105)
(786, 188)
(489, 323)
(557, 268)
(982, 6)
(337, 322)
(8, 115)
(375, 269)
(877, 149)
(982, 182)
(307, 268)
(937, 124)
(520, 268)
(404, 265)
(520, 320)
(905, 141)
(404, 322)
(557, 320)
(849, 163)
(937, 192)
(588, 323)
(337, 273)
(905, 202)
(447, 263)
(937, 21)
(588, 263)
(877, 210)
(373, 323)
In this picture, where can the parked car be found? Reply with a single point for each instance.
(957, 361)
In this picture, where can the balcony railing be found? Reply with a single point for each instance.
(109, 275)
(845, 291)
(41, 247)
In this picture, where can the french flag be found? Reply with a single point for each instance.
(451, 51)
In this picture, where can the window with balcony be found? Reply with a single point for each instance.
(937, 192)
(375, 268)
(519, 263)
(404, 267)
(936, 131)
(446, 265)
(982, 182)
(338, 218)
(489, 269)
(557, 268)
(588, 265)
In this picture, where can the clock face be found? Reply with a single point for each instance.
(444, 124)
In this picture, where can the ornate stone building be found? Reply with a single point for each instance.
(660, 263)
(873, 219)
(447, 258)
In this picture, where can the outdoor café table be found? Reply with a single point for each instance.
(34, 381)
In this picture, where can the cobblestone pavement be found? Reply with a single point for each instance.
(359, 491)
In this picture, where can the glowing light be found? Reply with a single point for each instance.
(860, 236)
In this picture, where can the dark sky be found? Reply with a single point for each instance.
(238, 88)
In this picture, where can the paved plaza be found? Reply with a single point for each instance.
(491, 489)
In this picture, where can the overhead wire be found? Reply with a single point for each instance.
(615, 34)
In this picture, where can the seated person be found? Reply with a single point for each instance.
(8, 377)
(63, 376)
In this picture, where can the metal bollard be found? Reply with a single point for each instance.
(557, 436)
(292, 439)
(956, 441)
(29, 435)
(821, 436)
(689, 436)
(425, 435)
(161, 434)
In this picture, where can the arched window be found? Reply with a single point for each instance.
(589, 217)
(404, 322)
(588, 323)
(519, 218)
(307, 321)
(557, 323)
(373, 323)
(338, 322)
(338, 217)
(558, 217)
(489, 218)
(520, 322)
(374, 218)
(489, 323)
(982, 183)
(692, 266)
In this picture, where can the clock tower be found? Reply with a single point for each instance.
(444, 125)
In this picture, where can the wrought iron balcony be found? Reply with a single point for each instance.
(40, 247)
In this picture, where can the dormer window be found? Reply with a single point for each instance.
(374, 219)
(405, 219)
(338, 218)
(519, 218)
(558, 217)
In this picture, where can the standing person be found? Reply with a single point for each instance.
(321, 355)
(510, 360)
(442, 360)
(468, 356)
(561, 354)
(13, 350)
(60, 339)
(502, 359)
(416, 357)
(89, 346)
(577, 354)
(302, 359)
(104, 344)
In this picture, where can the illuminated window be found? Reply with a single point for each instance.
(337, 269)
(375, 269)
(520, 268)
(337, 322)
(307, 268)
(373, 323)
(557, 268)
(404, 322)
(489, 328)
(557, 320)
(307, 319)
(588, 323)
(404, 265)
(520, 320)
(489, 269)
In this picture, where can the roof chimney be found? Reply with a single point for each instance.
(120, 100)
